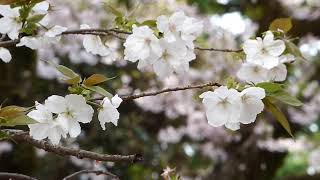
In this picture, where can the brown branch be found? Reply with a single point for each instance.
(15, 176)
(22, 136)
(97, 172)
(136, 96)
(112, 32)
(218, 50)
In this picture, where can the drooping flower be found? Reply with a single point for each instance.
(222, 107)
(171, 26)
(5, 55)
(10, 23)
(109, 112)
(251, 104)
(141, 45)
(71, 110)
(47, 126)
(93, 43)
(264, 52)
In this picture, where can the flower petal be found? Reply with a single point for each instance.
(5, 55)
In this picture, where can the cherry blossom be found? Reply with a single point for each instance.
(47, 126)
(254, 73)
(222, 107)
(71, 110)
(109, 112)
(93, 43)
(141, 45)
(10, 23)
(251, 104)
(264, 52)
(5, 55)
(172, 26)
(41, 8)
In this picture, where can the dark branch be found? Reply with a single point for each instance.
(22, 136)
(15, 176)
(218, 50)
(136, 96)
(97, 172)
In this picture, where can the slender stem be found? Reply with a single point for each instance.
(15, 176)
(136, 96)
(218, 50)
(23, 137)
(94, 104)
(97, 172)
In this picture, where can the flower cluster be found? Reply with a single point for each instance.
(172, 52)
(264, 60)
(230, 108)
(11, 23)
(60, 116)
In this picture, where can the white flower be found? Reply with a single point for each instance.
(264, 52)
(5, 55)
(172, 59)
(55, 31)
(10, 22)
(191, 29)
(222, 107)
(251, 104)
(141, 44)
(278, 73)
(46, 126)
(93, 43)
(109, 112)
(172, 26)
(71, 110)
(252, 73)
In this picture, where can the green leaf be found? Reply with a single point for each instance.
(99, 90)
(71, 76)
(150, 23)
(285, 97)
(283, 24)
(4, 135)
(270, 87)
(18, 120)
(95, 79)
(231, 83)
(277, 113)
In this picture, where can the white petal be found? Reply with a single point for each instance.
(74, 128)
(268, 38)
(54, 135)
(108, 114)
(116, 101)
(41, 8)
(162, 68)
(286, 58)
(250, 109)
(252, 73)
(31, 42)
(5, 55)
(269, 61)
(14, 32)
(39, 131)
(55, 31)
(276, 48)
(233, 126)
(56, 104)
(45, 20)
(256, 92)
(208, 94)
(163, 23)
(278, 73)
(251, 47)
(80, 110)
(5, 25)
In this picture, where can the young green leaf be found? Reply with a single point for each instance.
(277, 113)
(71, 76)
(283, 24)
(95, 79)
(18, 120)
(12, 111)
(113, 10)
(150, 23)
(285, 97)
(4, 135)
(99, 90)
(270, 87)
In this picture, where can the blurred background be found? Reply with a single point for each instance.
(171, 130)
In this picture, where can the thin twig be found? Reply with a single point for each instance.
(136, 96)
(112, 32)
(23, 136)
(97, 172)
(218, 50)
(15, 176)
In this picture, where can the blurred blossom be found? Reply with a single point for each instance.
(5, 147)
(170, 135)
(314, 162)
(285, 144)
